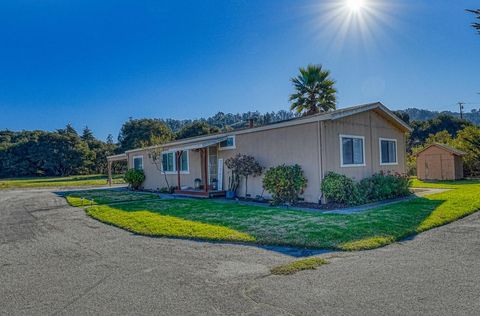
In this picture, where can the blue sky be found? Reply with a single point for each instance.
(97, 63)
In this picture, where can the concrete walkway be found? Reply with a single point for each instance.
(418, 192)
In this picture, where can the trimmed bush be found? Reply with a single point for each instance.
(343, 190)
(340, 189)
(134, 178)
(285, 183)
(382, 186)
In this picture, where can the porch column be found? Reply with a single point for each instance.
(109, 167)
(178, 155)
(205, 168)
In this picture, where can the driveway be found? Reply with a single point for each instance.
(56, 260)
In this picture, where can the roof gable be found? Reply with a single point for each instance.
(445, 147)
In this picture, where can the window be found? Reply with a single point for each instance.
(352, 153)
(388, 151)
(169, 162)
(138, 162)
(184, 161)
(229, 143)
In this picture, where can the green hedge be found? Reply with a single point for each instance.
(341, 189)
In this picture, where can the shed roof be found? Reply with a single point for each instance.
(445, 147)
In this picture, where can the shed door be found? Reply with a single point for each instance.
(447, 168)
(438, 167)
(433, 167)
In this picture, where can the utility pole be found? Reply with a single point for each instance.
(460, 104)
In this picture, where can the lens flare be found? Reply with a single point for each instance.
(355, 5)
(364, 22)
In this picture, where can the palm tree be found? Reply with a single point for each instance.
(476, 25)
(315, 91)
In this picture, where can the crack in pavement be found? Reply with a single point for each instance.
(87, 290)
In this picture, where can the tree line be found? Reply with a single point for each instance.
(65, 152)
(60, 153)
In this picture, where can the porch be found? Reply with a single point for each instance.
(207, 166)
(192, 169)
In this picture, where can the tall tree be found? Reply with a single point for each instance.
(476, 25)
(315, 91)
(110, 139)
(137, 133)
(197, 128)
(87, 135)
(68, 130)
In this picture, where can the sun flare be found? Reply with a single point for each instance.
(356, 22)
(355, 5)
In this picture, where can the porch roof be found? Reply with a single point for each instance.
(199, 144)
(119, 157)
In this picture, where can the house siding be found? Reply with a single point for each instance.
(155, 180)
(287, 145)
(372, 127)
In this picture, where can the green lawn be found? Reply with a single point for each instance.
(211, 220)
(72, 181)
(96, 197)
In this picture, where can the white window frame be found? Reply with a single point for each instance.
(380, 150)
(133, 162)
(341, 136)
(187, 152)
(228, 147)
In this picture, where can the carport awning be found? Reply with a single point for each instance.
(117, 157)
(202, 144)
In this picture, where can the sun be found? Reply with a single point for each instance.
(355, 5)
(367, 24)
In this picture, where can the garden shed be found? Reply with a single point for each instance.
(440, 162)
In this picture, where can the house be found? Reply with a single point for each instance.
(440, 162)
(356, 141)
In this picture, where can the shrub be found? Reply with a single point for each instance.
(338, 188)
(343, 190)
(285, 183)
(167, 190)
(382, 186)
(134, 178)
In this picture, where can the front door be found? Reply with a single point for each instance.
(213, 167)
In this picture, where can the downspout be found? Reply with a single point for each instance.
(371, 143)
(320, 161)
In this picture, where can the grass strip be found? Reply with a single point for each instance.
(299, 265)
(71, 181)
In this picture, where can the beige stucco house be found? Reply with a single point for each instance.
(357, 141)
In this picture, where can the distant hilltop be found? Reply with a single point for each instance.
(422, 115)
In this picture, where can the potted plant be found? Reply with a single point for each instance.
(197, 183)
(214, 183)
(233, 182)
